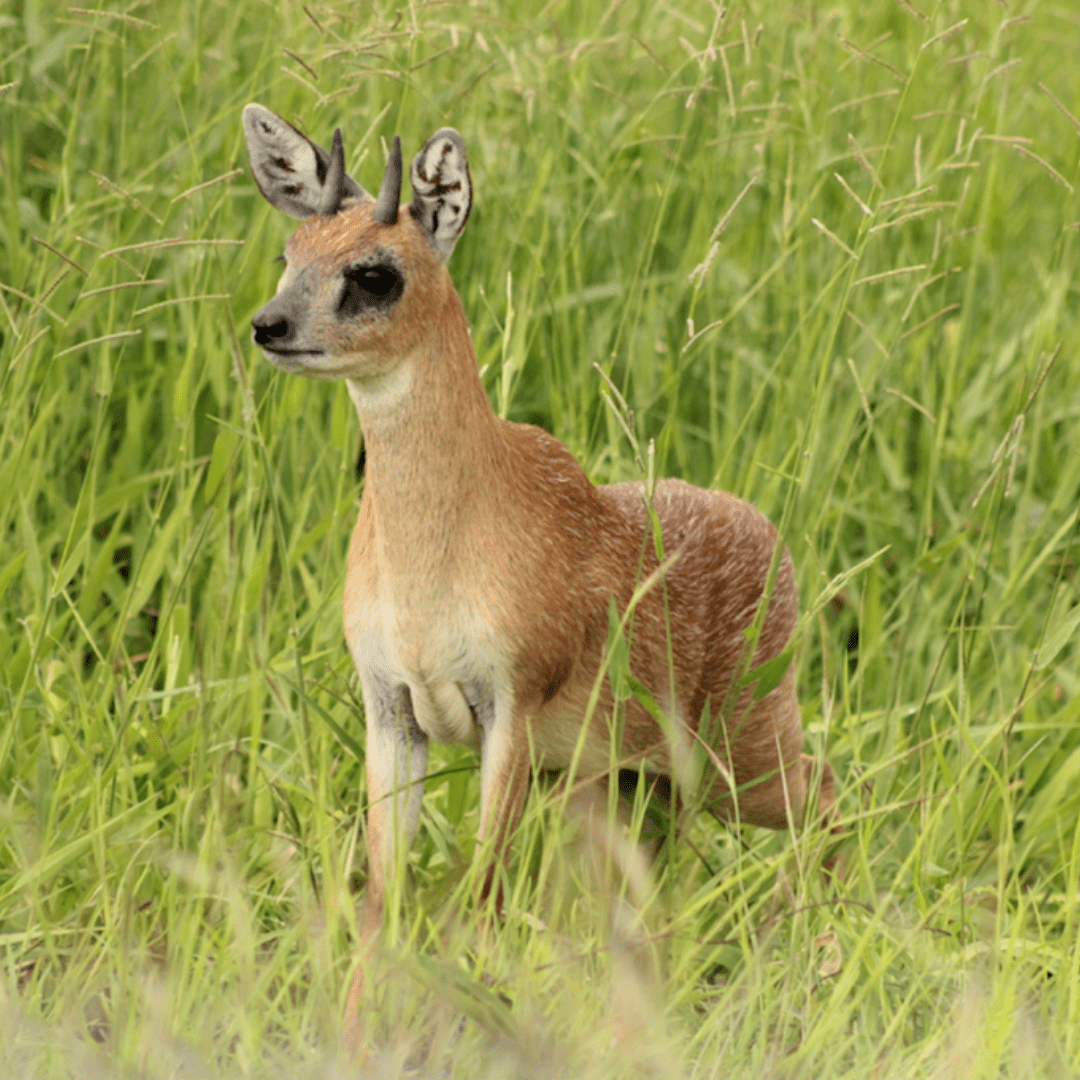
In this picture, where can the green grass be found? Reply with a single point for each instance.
(181, 773)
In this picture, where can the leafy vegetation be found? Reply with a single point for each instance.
(828, 254)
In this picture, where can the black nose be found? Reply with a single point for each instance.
(266, 333)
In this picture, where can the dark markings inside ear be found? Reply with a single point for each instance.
(361, 461)
(442, 190)
(289, 168)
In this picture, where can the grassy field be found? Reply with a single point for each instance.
(828, 253)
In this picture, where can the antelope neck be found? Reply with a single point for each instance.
(432, 445)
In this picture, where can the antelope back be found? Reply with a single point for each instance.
(363, 281)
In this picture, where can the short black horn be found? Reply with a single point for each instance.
(386, 206)
(334, 189)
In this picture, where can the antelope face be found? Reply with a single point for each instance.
(359, 273)
(346, 303)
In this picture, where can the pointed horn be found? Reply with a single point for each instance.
(386, 206)
(334, 185)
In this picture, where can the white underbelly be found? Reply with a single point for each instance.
(559, 742)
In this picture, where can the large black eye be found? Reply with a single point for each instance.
(377, 280)
(370, 289)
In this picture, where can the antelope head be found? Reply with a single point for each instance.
(363, 275)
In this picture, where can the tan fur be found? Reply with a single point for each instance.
(481, 567)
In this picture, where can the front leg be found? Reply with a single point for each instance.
(504, 784)
(397, 753)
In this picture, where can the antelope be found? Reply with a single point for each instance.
(484, 561)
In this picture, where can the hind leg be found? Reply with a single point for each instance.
(773, 778)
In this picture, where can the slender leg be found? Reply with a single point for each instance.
(396, 766)
(504, 785)
(397, 753)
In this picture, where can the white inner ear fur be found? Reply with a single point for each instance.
(442, 189)
(286, 164)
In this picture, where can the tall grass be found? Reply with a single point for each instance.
(829, 256)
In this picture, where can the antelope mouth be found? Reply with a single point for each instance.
(270, 350)
(296, 361)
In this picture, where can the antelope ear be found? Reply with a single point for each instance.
(289, 168)
(442, 190)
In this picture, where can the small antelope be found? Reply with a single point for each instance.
(484, 561)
